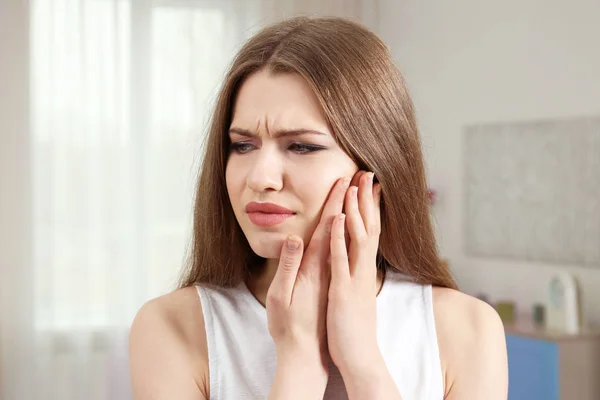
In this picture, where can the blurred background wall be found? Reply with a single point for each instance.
(470, 62)
(103, 106)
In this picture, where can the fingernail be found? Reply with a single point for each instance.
(371, 176)
(292, 244)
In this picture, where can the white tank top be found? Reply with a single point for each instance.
(242, 358)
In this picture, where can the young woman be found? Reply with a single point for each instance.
(314, 271)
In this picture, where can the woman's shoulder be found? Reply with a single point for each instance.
(168, 346)
(471, 341)
(178, 312)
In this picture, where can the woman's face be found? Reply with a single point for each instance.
(282, 154)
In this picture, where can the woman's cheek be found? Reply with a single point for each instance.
(314, 203)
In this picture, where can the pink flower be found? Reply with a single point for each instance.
(432, 194)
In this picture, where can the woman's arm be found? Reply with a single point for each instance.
(351, 314)
(470, 333)
(472, 347)
(167, 349)
(296, 309)
(472, 350)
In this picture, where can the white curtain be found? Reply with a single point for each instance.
(120, 92)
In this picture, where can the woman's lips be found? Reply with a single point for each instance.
(267, 219)
(267, 214)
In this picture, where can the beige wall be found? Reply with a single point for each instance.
(14, 195)
(471, 61)
(365, 11)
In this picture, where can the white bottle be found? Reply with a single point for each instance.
(563, 307)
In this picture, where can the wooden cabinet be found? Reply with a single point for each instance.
(551, 366)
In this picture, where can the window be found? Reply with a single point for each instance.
(121, 95)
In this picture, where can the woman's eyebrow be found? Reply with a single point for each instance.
(278, 133)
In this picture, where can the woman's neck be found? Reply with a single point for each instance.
(260, 281)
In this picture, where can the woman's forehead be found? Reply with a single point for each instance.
(271, 103)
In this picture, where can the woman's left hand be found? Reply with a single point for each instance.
(351, 310)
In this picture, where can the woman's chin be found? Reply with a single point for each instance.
(268, 245)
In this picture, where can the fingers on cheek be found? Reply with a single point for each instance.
(356, 178)
(368, 202)
(358, 224)
(329, 223)
(340, 227)
(334, 202)
(348, 200)
(338, 244)
(343, 189)
(378, 207)
(351, 206)
(377, 193)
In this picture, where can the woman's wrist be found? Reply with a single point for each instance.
(299, 375)
(369, 380)
(308, 349)
(369, 368)
(300, 361)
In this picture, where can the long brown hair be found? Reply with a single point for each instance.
(367, 105)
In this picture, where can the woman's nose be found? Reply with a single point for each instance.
(266, 172)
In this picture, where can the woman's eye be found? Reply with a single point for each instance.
(301, 148)
(241, 147)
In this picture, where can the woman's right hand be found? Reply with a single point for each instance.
(297, 304)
